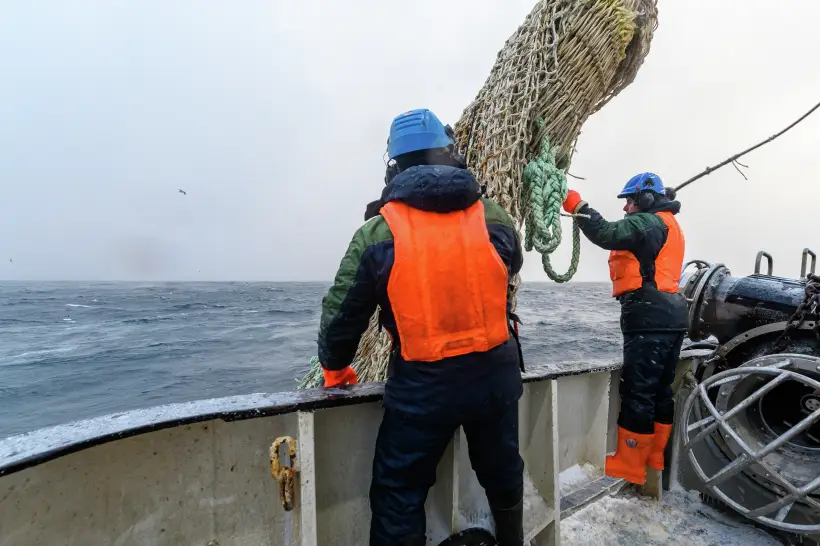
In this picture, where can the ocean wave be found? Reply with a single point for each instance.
(19, 321)
(78, 305)
(42, 352)
(148, 320)
(285, 312)
(197, 305)
(22, 301)
(249, 327)
(177, 345)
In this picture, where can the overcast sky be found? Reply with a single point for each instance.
(273, 116)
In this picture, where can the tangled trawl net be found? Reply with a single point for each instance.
(564, 63)
(568, 59)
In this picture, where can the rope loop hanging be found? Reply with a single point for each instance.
(544, 188)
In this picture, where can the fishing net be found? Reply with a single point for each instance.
(565, 62)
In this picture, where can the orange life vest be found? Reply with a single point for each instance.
(625, 270)
(448, 285)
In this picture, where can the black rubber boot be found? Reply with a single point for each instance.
(471, 537)
(509, 525)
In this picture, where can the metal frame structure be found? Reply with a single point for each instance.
(721, 422)
(803, 272)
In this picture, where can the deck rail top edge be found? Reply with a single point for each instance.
(29, 449)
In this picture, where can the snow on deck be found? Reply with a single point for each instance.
(577, 476)
(680, 519)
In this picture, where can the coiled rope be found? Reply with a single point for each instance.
(545, 189)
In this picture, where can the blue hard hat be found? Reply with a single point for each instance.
(642, 182)
(416, 130)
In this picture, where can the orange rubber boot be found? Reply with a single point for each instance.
(662, 433)
(629, 461)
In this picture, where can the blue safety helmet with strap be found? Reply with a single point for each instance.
(643, 189)
(417, 130)
(642, 182)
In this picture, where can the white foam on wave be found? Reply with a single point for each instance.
(42, 352)
(77, 305)
(264, 326)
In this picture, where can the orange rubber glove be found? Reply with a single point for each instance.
(346, 376)
(573, 202)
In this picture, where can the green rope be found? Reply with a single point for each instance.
(545, 188)
(314, 378)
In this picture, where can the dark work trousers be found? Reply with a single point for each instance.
(408, 450)
(650, 359)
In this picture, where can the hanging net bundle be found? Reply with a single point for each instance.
(564, 63)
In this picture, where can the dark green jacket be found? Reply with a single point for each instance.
(643, 234)
(361, 285)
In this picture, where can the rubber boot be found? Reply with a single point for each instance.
(509, 525)
(656, 459)
(629, 461)
(474, 536)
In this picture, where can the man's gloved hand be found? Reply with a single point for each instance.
(346, 376)
(573, 202)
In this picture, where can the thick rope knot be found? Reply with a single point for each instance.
(544, 190)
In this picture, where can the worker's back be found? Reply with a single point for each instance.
(438, 259)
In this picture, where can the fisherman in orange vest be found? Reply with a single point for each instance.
(645, 264)
(437, 259)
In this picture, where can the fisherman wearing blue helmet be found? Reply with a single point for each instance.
(437, 259)
(645, 264)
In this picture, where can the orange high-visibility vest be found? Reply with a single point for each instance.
(625, 270)
(448, 285)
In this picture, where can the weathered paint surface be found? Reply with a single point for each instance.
(185, 485)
